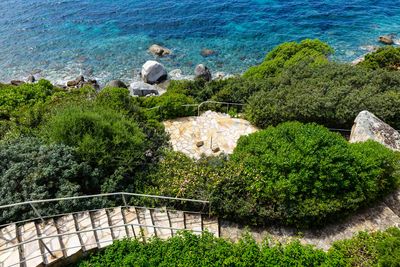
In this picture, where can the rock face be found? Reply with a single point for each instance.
(117, 84)
(369, 127)
(142, 89)
(153, 72)
(386, 39)
(202, 72)
(159, 50)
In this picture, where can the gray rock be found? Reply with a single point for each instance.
(31, 79)
(369, 127)
(16, 82)
(202, 72)
(386, 39)
(153, 72)
(142, 89)
(117, 84)
(159, 50)
(77, 82)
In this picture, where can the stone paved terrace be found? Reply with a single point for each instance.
(211, 133)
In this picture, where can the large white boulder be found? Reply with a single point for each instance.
(369, 127)
(153, 72)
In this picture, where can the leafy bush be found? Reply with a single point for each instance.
(387, 57)
(30, 170)
(102, 137)
(14, 97)
(303, 175)
(331, 95)
(289, 54)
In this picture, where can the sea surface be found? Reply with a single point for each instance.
(108, 39)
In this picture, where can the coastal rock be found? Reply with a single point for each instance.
(16, 82)
(153, 72)
(30, 79)
(92, 83)
(207, 52)
(142, 89)
(116, 84)
(77, 82)
(159, 50)
(202, 72)
(369, 127)
(386, 39)
(175, 74)
(219, 76)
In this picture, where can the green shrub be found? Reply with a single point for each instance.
(102, 137)
(14, 97)
(289, 54)
(387, 57)
(331, 95)
(31, 170)
(303, 175)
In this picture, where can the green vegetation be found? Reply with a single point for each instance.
(387, 57)
(185, 249)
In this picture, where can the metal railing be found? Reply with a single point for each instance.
(123, 196)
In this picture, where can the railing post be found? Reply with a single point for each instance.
(124, 200)
(37, 212)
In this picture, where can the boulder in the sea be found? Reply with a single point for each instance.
(142, 89)
(207, 52)
(31, 79)
(153, 72)
(16, 82)
(116, 84)
(386, 39)
(369, 127)
(202, 72)
(159, 50)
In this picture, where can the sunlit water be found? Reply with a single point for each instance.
(108, 39)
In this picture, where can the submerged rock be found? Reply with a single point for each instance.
(116, 84)
(202, 72)
(159, 50)
(369, 127)
(386, 39)
(207, 52)
(153, 72)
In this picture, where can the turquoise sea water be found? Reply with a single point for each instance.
(108, 39)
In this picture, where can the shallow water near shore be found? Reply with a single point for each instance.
(103, 39)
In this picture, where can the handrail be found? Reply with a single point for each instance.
(102, 195)
(216, 102)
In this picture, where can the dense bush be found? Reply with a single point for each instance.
(185, 249)
(387, 57)
(303, 175)
(30, 170)
(14, 97)
(331, 95)
(104, 138)
(289, 54)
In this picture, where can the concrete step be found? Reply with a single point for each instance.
(83, 223)
(70, 243)
(131, 217)
(193, 221)
(145, 218)
(211, 225)
(116, 218)
(177, 220)
(161, 218)
(8, 238)
(100, 220)
(31, 252)
(53, 244)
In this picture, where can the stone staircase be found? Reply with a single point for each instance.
(59, 240)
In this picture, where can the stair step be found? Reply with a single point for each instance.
(70, 242)
(84, 222)
(116, 218)
(8, 238)
(211, 225)
(144, 217)
(31, 251)
(177, 220)
(100, 220)
(53, 244)
(131, 217)
(193, 221)
(161, 218)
